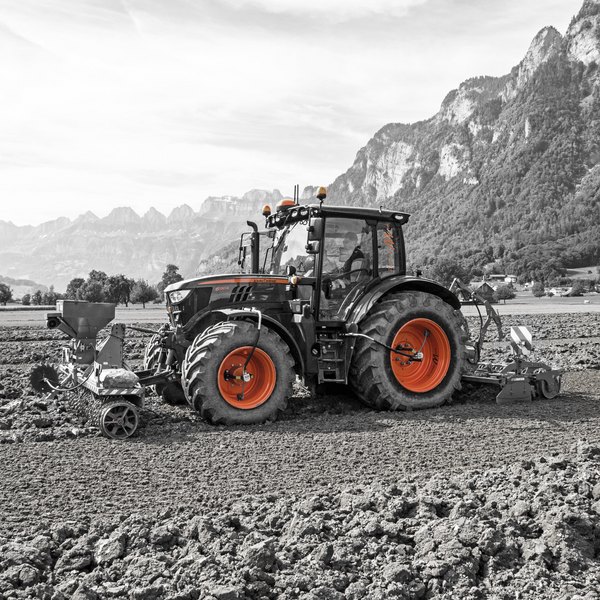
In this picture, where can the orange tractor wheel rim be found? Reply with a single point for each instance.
(252, 388)
(425, 375)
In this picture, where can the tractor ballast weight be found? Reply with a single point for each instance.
(322, 294)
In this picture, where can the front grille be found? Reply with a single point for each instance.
(240, 293)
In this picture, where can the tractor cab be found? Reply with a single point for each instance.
(331, 255)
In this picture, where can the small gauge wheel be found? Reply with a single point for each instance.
(118, 419)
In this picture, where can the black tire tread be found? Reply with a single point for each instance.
(199, 370)
(371, 382)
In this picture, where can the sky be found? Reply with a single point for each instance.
(140, 103)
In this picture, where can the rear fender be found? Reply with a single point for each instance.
(215, 316)
(401, 283)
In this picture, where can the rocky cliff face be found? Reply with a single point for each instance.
(509, 161)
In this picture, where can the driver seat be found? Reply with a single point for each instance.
(359, 263)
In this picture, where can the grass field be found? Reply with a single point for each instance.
(584, 272)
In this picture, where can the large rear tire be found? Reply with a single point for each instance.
(214, 381)
(410, 321)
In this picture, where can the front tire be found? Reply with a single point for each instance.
(414, 321)
(216, 385)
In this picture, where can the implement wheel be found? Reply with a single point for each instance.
(118, 419)
(221, 390)
(410, 322)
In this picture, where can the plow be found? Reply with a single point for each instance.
(322, 295)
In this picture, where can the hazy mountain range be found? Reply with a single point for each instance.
(508, 169)
(125, 242)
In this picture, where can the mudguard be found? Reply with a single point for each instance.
(226, 314)
(399, 283)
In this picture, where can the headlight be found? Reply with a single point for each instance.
(178, 296)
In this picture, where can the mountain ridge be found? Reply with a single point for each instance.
(508, 163)
(506, 172)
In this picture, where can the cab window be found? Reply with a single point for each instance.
(388, 249)
(289, 249)
(347, 265)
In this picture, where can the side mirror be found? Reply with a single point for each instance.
(290, 270)
(313, 247)
(315, 229)
(242, 256)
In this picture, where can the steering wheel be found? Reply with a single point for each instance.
(345, 274)
(327, 279)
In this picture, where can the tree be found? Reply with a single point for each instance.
(26, 300)
(143, 292)
(445, 270)
(92, 291)
(50, 296)
(73, 288)
(578, 289)
(117, 289)
(99, 276)
(538, 289)
(171, 275)
(504, 292)
(37, 298)
(5, 294)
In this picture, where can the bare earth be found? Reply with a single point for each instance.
(53, 470)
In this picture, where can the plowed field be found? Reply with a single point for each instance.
(471, 500)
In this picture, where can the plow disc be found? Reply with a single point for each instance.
(42, 377)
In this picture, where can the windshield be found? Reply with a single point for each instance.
(289, 248)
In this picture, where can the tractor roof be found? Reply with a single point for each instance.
(289, 214)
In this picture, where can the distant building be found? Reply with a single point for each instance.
(485, 289)
(501, 277)
(559, 291)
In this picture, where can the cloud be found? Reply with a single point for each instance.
(159, 102)
(337, 10)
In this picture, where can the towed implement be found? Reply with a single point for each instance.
(92, 374)
(322, 294)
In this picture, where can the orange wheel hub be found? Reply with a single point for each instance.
(424, 375)
(251, 388)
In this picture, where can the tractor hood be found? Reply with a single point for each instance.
(235, 279)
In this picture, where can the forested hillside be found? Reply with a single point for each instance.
(507, 171)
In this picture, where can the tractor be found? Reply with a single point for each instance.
(324, 295)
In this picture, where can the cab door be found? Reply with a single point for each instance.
(346, 266)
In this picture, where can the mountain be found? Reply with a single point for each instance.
(507, 173)
(20, 287)
(508, 170)
(125, 242)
